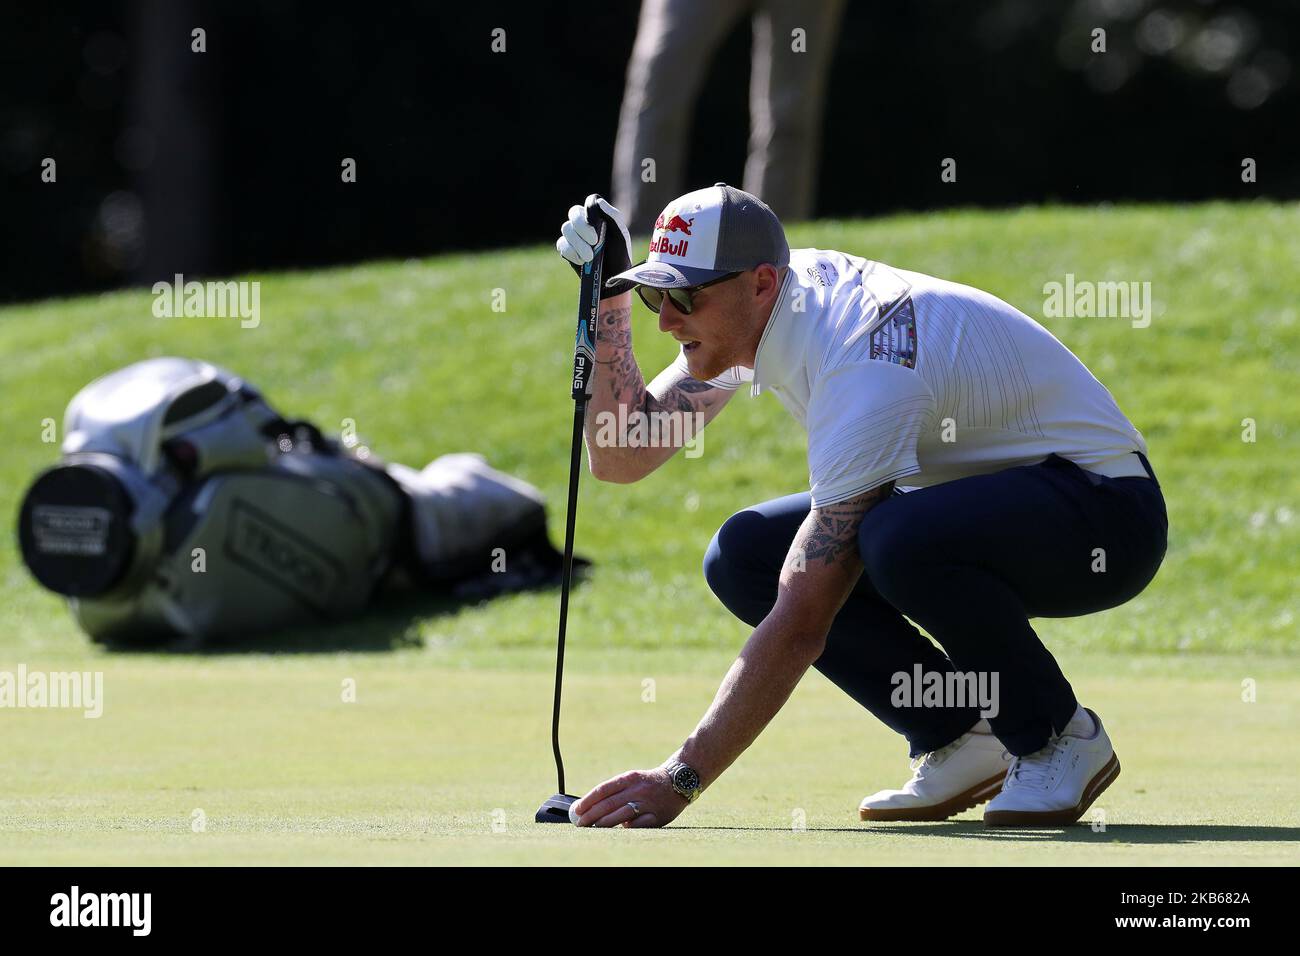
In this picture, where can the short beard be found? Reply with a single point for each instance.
(710, 373)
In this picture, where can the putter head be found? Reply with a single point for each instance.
(556, 809)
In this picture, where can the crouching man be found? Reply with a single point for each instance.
(966, 471)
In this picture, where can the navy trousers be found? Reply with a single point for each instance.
(970, 561)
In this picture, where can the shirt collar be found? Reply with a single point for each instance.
(774, 359)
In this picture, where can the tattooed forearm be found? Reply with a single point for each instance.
(614, 353)
(832, 531)
(824, 564)
(686, 395)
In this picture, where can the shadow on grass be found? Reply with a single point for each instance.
(391, 623)
(1162, 833)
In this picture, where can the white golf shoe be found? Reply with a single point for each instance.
(944, 782)
(1055, 786)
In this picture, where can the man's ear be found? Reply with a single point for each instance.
(767, 280)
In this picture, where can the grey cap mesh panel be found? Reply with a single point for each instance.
(749, 233)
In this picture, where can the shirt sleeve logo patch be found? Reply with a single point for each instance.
(894, 338)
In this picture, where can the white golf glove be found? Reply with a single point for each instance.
(578, 236)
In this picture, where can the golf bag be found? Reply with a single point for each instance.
(185, 506)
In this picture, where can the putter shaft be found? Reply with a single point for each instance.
(575, 464)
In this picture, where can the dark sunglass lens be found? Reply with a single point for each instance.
(682, 299)
(652, 297)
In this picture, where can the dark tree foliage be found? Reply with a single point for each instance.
(169, 160)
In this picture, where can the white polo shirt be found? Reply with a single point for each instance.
(897, 375)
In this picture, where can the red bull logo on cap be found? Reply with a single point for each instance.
(665, 248)
(662, 245)
(674, 224)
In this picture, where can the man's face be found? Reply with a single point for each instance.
(718, 332)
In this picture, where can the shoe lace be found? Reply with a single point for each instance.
(1039, 768)
(932, 759)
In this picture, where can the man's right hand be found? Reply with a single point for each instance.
(580, 232)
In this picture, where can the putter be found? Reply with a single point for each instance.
(556, 808)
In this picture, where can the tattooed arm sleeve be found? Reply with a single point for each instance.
(823, 565)
(633, 428)
(818, 576)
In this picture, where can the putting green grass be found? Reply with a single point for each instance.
(438, 763)
(445, 753)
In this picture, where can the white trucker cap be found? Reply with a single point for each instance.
(708, 234)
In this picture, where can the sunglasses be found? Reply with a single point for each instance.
(682, 298)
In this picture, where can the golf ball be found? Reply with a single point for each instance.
(573, 814)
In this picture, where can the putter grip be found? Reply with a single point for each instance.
(584, 350)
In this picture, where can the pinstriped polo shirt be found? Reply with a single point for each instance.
(900, 376)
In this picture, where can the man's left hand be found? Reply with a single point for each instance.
(638, 798)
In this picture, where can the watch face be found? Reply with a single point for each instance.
(685, 779)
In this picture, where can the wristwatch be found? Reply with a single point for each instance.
(685, 780)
